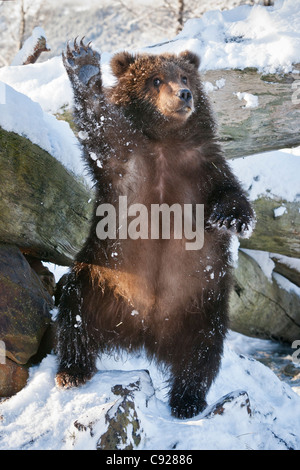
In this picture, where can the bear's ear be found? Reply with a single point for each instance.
(120, 63)
(190, 57)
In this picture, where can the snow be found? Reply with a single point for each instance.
(251, 100)
(285, 284)
(274, 174)
(293, 263)
(246, 36)
(209, 87)
(43, 129)
(41, 416)
(263, 259)
(279, 211)
(46, 83)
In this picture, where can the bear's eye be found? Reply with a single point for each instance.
(184, 80)
(156, 82)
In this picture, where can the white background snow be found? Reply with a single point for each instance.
(41, 416)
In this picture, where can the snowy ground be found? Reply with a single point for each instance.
(41, 416)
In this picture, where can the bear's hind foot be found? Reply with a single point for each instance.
(187, 408)
(73, 377)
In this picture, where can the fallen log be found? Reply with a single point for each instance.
(44, 210)
(275, 231)
(271, 125)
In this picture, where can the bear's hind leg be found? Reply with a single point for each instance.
(195, 351)
(192, 378)
(76, 347)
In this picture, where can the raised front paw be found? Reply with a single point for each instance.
(235, 216)
(83, 64)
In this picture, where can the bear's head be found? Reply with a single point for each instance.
(156, 91)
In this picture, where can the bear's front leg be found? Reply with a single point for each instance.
(76, 348)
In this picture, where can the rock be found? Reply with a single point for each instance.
(124, 428)
(60, 287)
(229, 402)
(291, 370)
(45, 275)
(116, 423)
(13, 378)
(24, 306)
(287, 267)
(261, 306)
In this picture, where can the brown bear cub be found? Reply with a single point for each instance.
(150, 138)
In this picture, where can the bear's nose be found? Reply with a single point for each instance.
(184, 94)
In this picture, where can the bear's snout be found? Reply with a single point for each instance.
(185, 95)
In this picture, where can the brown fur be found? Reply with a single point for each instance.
(154, 293)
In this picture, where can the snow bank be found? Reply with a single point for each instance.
(46, 83)
(21, 115)
(246, 36)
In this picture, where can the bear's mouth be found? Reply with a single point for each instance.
(184, 110)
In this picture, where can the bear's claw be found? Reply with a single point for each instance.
(82, 62)
(238, 220)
